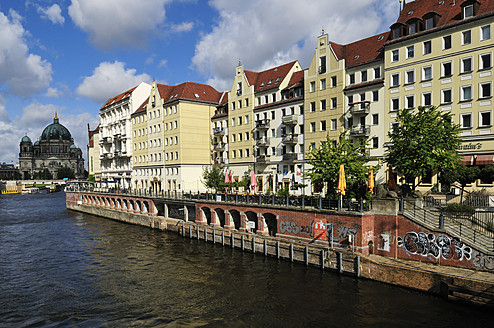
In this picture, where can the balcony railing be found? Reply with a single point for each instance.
(289, 120)
(262, 142)
(360, 107)
(289, 139)
(219, 146)
(262, 124)
(218, 131)
(105, 140)
(289, 157)
(262, 158)
(360, 131)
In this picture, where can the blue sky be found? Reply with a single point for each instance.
(69, 56)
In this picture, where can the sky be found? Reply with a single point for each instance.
(70, 56)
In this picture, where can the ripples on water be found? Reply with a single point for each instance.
(65, 269)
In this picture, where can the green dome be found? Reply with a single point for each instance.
(36, 143)
(73, 147)
(26, 139)
(56, 131)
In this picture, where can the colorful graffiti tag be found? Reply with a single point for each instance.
(428, 244)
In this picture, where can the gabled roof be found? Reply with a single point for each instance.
(449, 12)
(296, 80)
(338, 49)
(142, 108)
(190, 91)
(121, 96)
(365, 50)
(268, 79)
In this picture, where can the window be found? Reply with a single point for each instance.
(246, 119)
(312, 86)
(429, 23)
(333, 124)
(351, 78)
(273, 151)
(375, 142)
(427, 47)
(446, 42)
(233, 122)
(485, 119)
(395, 104)
(427, 99)
(273, 96)
(410, 101)
(273, 115)
(485, 90)
(375, 95)
(233, 138)
(466, 65)
(247, 153)
(446, 69)
(313, 107)
(246, 102)
(485, 32)
(323, 104)
(466, 93)
(395, 55)
(312, 145)
(333, 81)
(466, 120)
(323, 84)
(350, 99)
(334, 103)
(410, 51)
(323, 125)
(396, 32)
(446, 96)
(363, 76)
(240, 137)
(466, 37)
(377, 73)
(468, 11)
(395, 79)
(485, 61)
(375, 119)
(233, 153)
(412, 28)
(312, 127)
(240, 153)
(427, 73)
(410, 77)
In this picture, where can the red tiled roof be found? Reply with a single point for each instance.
(143, 106)
(268, 79)
(365, 50)
(224, 99)
(121, 96)
(190, 91)
(297, 79)
(338, 49)
(361, 85)
(449, 11)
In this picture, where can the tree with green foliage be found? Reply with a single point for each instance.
(213, 177)
(65, 172)
(462, 174)
(486, 174)
(325, 163)
(423, 141)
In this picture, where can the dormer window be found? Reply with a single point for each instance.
(468, 12)
(429, 23)
(396, 32)
(412, 28)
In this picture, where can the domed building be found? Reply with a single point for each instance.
(55, 149)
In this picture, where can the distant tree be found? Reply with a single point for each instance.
(213, 177)
(462, 174)
(486, 174)
(423, 141)
(65, 172)
(325, 163)
(91, 178)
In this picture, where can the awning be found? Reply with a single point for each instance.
(485, 159)
(467, 160)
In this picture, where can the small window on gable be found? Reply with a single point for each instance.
(468, 12)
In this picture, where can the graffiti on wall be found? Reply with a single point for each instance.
(385, 241)
(483, 261)
(428, 244)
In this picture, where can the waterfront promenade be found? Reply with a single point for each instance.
(377, 244)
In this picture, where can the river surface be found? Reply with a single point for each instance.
(60, 268)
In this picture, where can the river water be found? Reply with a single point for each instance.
(60, 268)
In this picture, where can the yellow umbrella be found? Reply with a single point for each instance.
(341, 180)
(370, 181)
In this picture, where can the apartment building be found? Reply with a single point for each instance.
(172, 139)
(440, 54)
(93, 153)
(219, 134)
(254, 102)
(115, 135)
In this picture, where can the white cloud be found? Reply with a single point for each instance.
(117, 23)
(108, 80)
(53, 93)
(163, 63)
(52, 13)
(183, 27)
(282, 31)
(24, 73)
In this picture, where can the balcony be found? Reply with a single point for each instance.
(262, 158)
(219, 146)
(262, 142)
(262, 124)
(289, 157)
(108, 156)
(218, 131)
(220, 160)
(289, 139)
(360, 107)
(360, 131)
(289, 120)
(106, 140)
(239, 92)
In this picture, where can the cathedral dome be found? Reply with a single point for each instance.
(26, 139)
(56, 131)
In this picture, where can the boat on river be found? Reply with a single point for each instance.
(30, 190)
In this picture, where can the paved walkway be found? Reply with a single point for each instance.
(430, 267)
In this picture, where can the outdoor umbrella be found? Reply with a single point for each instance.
(370, 181)
(227, 179)
(253, 181)
(341, 180)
